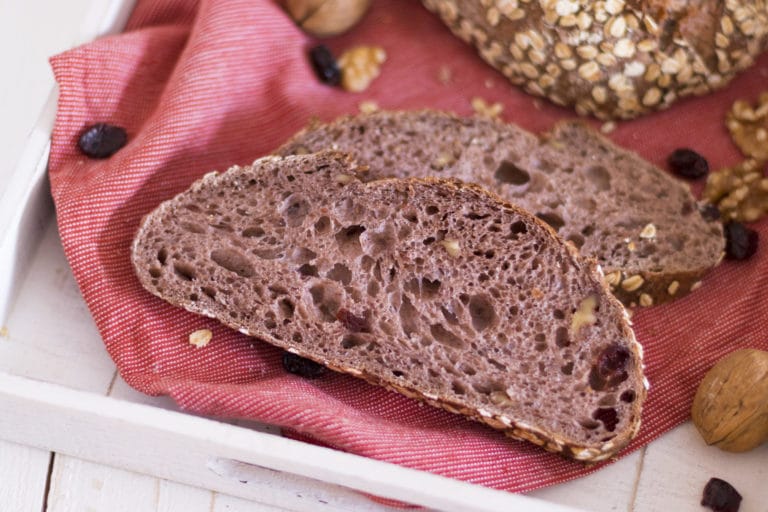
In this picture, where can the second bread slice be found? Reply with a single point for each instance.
(643, 226)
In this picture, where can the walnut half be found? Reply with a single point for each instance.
(730, 408)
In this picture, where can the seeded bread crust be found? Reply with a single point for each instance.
(595, 194)
(613, 58)
(202, 251)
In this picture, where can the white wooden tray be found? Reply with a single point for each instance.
(60, 392)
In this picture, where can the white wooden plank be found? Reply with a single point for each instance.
(80, 486)
(209, 454)
(608, 489)
(225, 503)
(679, 465)
(175, 497)
(23, 474)
(50, 332)
(42, 28)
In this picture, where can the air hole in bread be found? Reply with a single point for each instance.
(562, 339)
(445, 337)
(270, 253)
(233, 260)
(348, 240)
(599, 177)
(294, 209)
(409, 317)
(193, 208)
(192, 227)
(322, 225)
(467, 370)
(373, 288)
(252, 232)
(464, 298)
(155, 272)
(567, 368)
(449, 316)
(608, 400)
(193, 297)
(308, 270)
(589, 423)
(432, 210)
(340, 273)
(507, 172)
(162, 255)
(517, 228)
(398, 373)
(286, 308)
(184, 270)
(297, 338)
(458, 388)
(210, 292)
(303, 255)
(576, 239)
(540, 346)
(553, 219)
(353, 340)
(411, 216)
(482, 312)
(327, 299)
(429, 240)
(498, 365)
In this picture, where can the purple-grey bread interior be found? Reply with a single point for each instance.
(652, 239)
(430, 287)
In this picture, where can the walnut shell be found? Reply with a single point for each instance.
(324, 18)
(730, 408)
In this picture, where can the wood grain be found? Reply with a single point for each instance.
(23, 474)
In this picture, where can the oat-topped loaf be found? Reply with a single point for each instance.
(651, 237)
(612, 58)
(432, 288)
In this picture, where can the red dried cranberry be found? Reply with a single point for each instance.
(102, 140)
(352, 322)
(720, 496)
(740, 241)
(608, 416)
(325, 65)
(688, 164)
(302, 367)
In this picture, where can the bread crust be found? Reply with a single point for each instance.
(614, 58)
(550, 441)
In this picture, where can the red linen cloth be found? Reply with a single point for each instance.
(204, 85)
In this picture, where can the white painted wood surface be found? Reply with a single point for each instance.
(23, 475)
(262, 467)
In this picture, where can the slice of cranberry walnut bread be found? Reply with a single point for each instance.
(429, 287)
(644, 227)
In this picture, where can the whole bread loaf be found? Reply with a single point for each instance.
(613, 58)
(651, 237)
(430, 287)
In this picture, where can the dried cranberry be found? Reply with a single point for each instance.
(302, 367)
(352, 322)
(325, 65)
(608, 416)
(610, 368)
(688, 164)
(102, 140)
(740, 241)
(709, 212)
(720, 496)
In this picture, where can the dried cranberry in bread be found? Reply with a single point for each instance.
(612, 58)
(430, 287)
(643, 226)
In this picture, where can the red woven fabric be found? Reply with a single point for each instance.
(202, 86)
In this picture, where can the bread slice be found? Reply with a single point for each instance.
(430, 287)
(644, 227)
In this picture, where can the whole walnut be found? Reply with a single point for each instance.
(324, 18)
(730, 408)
